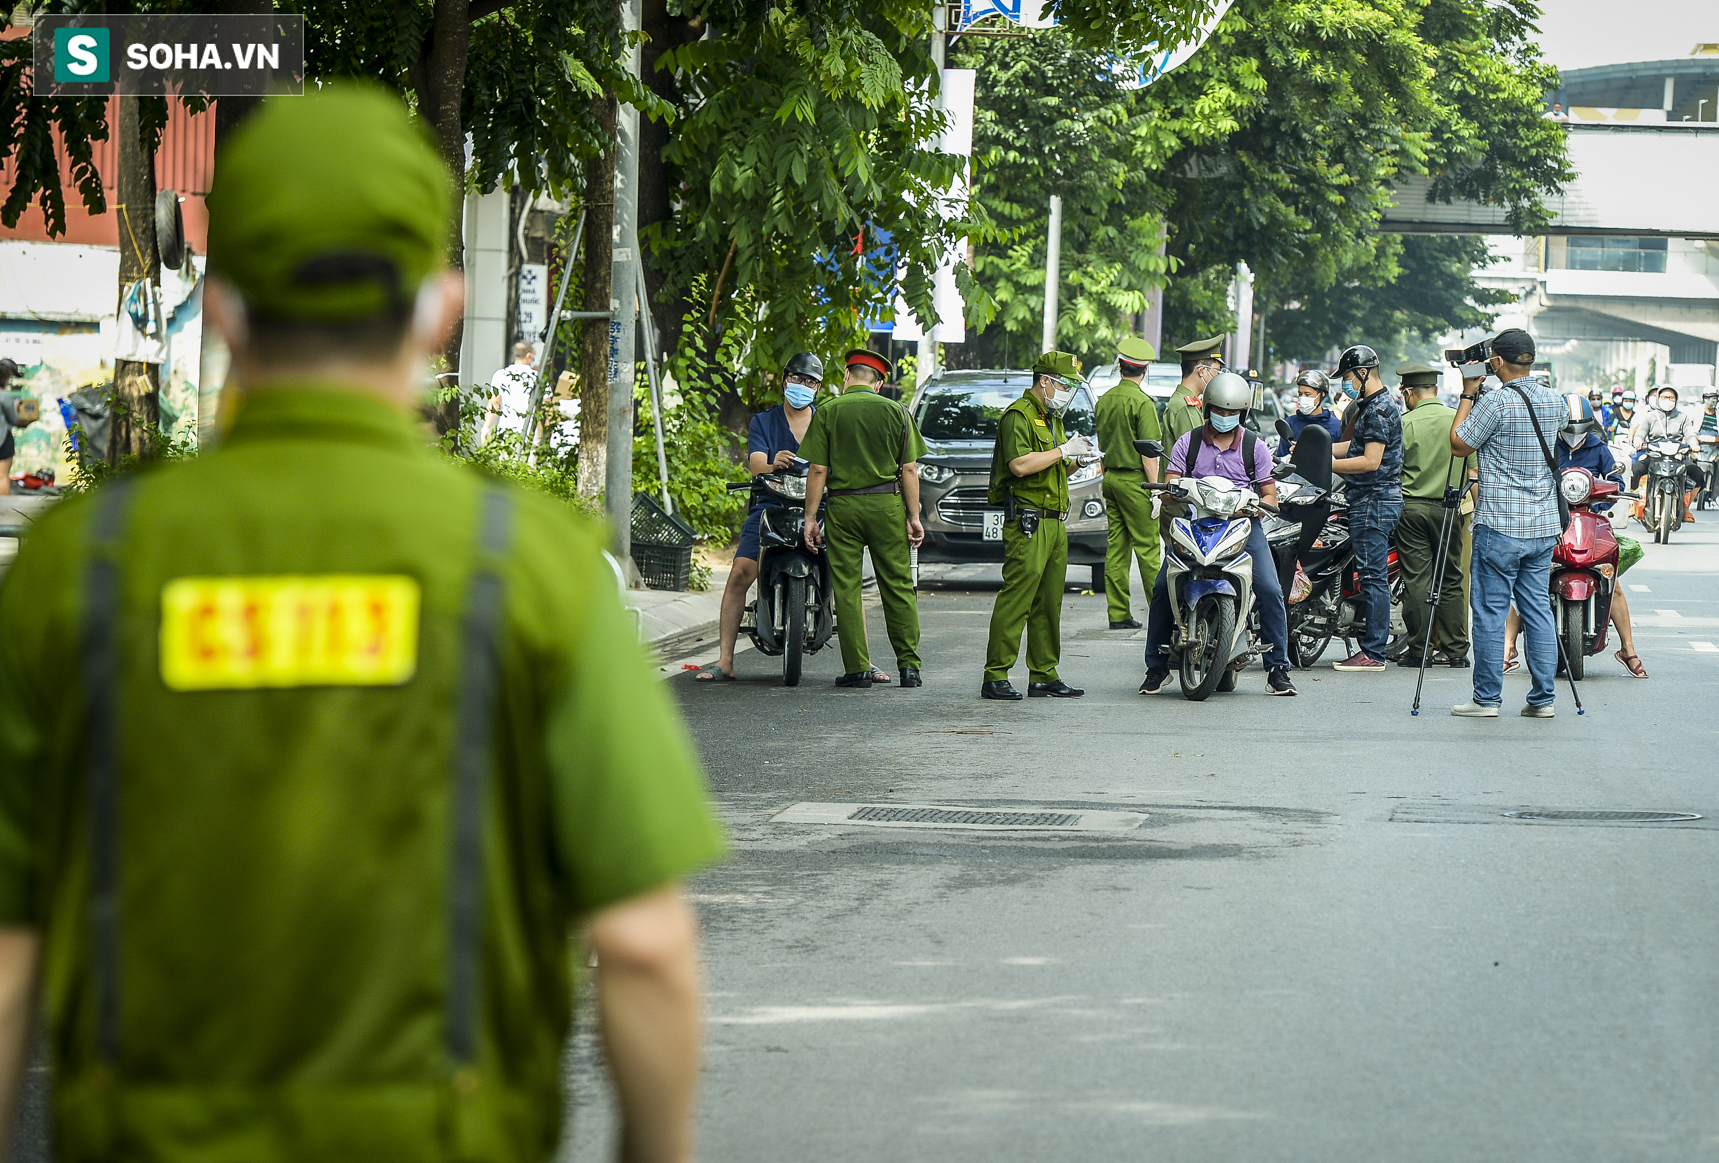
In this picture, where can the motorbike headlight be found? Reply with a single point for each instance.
(1576, 486)
(1086, 472)
(1092, 509)
(791, 487)
(935, 474)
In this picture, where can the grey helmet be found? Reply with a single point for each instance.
(1227, 390)
(1315, 379)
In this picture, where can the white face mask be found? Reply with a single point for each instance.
(1059, 400)
(1666, 404)
(1306, 404)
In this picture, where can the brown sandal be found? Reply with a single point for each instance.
(1632, 664)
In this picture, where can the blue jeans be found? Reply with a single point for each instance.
(1372, 520)
(1267, 598)
(1506, 568)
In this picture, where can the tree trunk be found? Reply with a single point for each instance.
(439, 78)
(663, 32)
(137, 402)
(599, 291)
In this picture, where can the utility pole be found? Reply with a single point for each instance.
(925, 366)
(1053, 271)
(137, 401)
(599, 305)
(618, 471)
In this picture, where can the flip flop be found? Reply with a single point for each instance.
(712, 673)
(1632, 664)
(1512, 665)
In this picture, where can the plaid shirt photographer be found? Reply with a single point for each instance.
(1516, 523)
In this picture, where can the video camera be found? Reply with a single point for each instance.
(1472, 360)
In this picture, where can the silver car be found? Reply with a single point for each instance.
(957, 413)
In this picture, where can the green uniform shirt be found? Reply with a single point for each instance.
(1026, 426)
(1181, 416)
(283, 849)
(1426, 451)
(1125, 414)
(863, 439)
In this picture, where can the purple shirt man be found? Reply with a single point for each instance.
(1227, 463)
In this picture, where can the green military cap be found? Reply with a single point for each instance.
(329, 207)
(1060, 364)
(1201, 348)
(1418, 375)
(1136, 350)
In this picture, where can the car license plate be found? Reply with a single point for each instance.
(993, 525)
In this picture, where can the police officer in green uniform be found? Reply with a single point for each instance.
(1126, 414)
(865, 449)
(1431, 473)
(314, 749)
(1200, 362)
(1029, 478)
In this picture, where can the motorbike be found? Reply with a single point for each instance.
(1209, 579)
(1662, 509)
(794, 612)
(1707, 456)
(1584, 569)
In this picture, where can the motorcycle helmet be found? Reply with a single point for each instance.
(1227, 390)
(805, 364)
(1580, 423)
(1711, 395)
(1315, 379)
(1627, 400)
(1356, 358)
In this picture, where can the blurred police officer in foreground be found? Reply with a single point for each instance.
(1126, 414)
(354, 737)
(1432, 477)
(1029, 478)
(866, 449)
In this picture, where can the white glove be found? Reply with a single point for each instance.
(1157, 504)
(1078, 447)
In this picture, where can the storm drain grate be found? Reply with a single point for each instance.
(1606, 817)
(948, 816)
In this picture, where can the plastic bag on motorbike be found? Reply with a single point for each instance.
(1301, 586)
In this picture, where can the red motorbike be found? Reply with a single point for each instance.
(1584, 568)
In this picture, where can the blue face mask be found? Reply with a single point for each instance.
(1224, 423)
(798, 395)
(1349, 389)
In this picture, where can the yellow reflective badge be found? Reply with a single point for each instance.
(237, 633)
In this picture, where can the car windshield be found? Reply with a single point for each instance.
(970, 411)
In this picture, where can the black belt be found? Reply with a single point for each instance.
(885, 487)
(1044, 514)
(1123, 470)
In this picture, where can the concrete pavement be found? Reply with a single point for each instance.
(1327, 941)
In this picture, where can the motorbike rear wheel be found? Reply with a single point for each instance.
(1666, 504)
(1306, 642)
(793, 629)
(1570, 615)
(1206, 650)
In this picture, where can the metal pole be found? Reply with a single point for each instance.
(1053, 271)
(552, 329)
(925, 365)
(654, 372)
(618, 466)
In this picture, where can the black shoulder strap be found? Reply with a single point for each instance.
(101, 677)
(1194, 445)
(1248, 439)
(474, 733)
(1545, 449)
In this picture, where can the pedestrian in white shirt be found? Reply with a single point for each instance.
(510, 401)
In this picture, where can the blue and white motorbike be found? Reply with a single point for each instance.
(1209, 579)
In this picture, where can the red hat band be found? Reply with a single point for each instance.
(869, 359)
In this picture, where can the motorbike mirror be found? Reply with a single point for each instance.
(1283, 430)
(1149, 448)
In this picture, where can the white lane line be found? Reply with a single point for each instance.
(1704, 648)
(1635, 589)
(1668, 613)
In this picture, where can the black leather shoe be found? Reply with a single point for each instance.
(860, 680)
(910, 677)
(1413, 662)
(999, 690)
(1126, 624)
(1053, 690)
(1455, 662)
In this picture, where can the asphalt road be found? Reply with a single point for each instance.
(1325, 942)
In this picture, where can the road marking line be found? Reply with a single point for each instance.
(1668, 613)
(1635, 589)
(1704, 648)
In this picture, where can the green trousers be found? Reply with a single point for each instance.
(1132, 534)
(1417, 549)
(1034, 571)
(877, 521)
